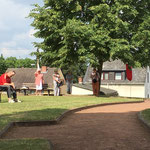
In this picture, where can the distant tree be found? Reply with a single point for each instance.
(3, 66)
(11, 62)
(26, 63)
(93, 31)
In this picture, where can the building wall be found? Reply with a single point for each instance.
(80, 91)
(128, 90)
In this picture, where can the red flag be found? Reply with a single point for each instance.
(129, 72)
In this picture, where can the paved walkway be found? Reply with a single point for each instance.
(114, 127)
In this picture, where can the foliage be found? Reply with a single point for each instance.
(93, 31)
(13, 62)
(10, 62)
(77, 70)
(26, 63)
(3, 66)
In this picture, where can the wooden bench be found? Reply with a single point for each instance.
(32, 87)
(27, 86)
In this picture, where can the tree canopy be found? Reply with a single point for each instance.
(93, 31)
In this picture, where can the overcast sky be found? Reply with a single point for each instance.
(15, 30)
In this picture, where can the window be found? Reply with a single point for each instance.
(118, 76)
(106, 76)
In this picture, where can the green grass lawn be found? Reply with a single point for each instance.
(146, 115)
(25, 144)
(47, 107)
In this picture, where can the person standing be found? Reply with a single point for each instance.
(69, 81)
(39, 82)
(56, 81)
(95, 82)
(7, 85)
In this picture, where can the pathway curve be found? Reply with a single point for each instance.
(113, 127)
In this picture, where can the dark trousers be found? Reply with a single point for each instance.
(10, 91)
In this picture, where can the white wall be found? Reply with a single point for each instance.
(128, 90)
(80, 91)
(137, 91)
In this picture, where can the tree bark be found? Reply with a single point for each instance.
(99, 69)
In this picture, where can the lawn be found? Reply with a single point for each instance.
(25, 144)
(47, 107)
(146, 115)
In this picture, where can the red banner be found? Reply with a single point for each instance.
(129, 72)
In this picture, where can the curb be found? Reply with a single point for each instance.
(50, 144)
(6, 129)
(140, 117)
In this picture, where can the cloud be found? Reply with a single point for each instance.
(20, 45)
(12, 15)
(3, 27)
(16, 33)
(21, 53)
(27, 2)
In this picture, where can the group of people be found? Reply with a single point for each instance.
(7, 85)
(69, 82)
(57, 82)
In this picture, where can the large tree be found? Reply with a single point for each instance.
(93, 31)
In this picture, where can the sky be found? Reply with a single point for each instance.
(16, 33)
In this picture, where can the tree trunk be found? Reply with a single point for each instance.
(99, 69)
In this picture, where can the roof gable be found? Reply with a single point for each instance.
(114, 65)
